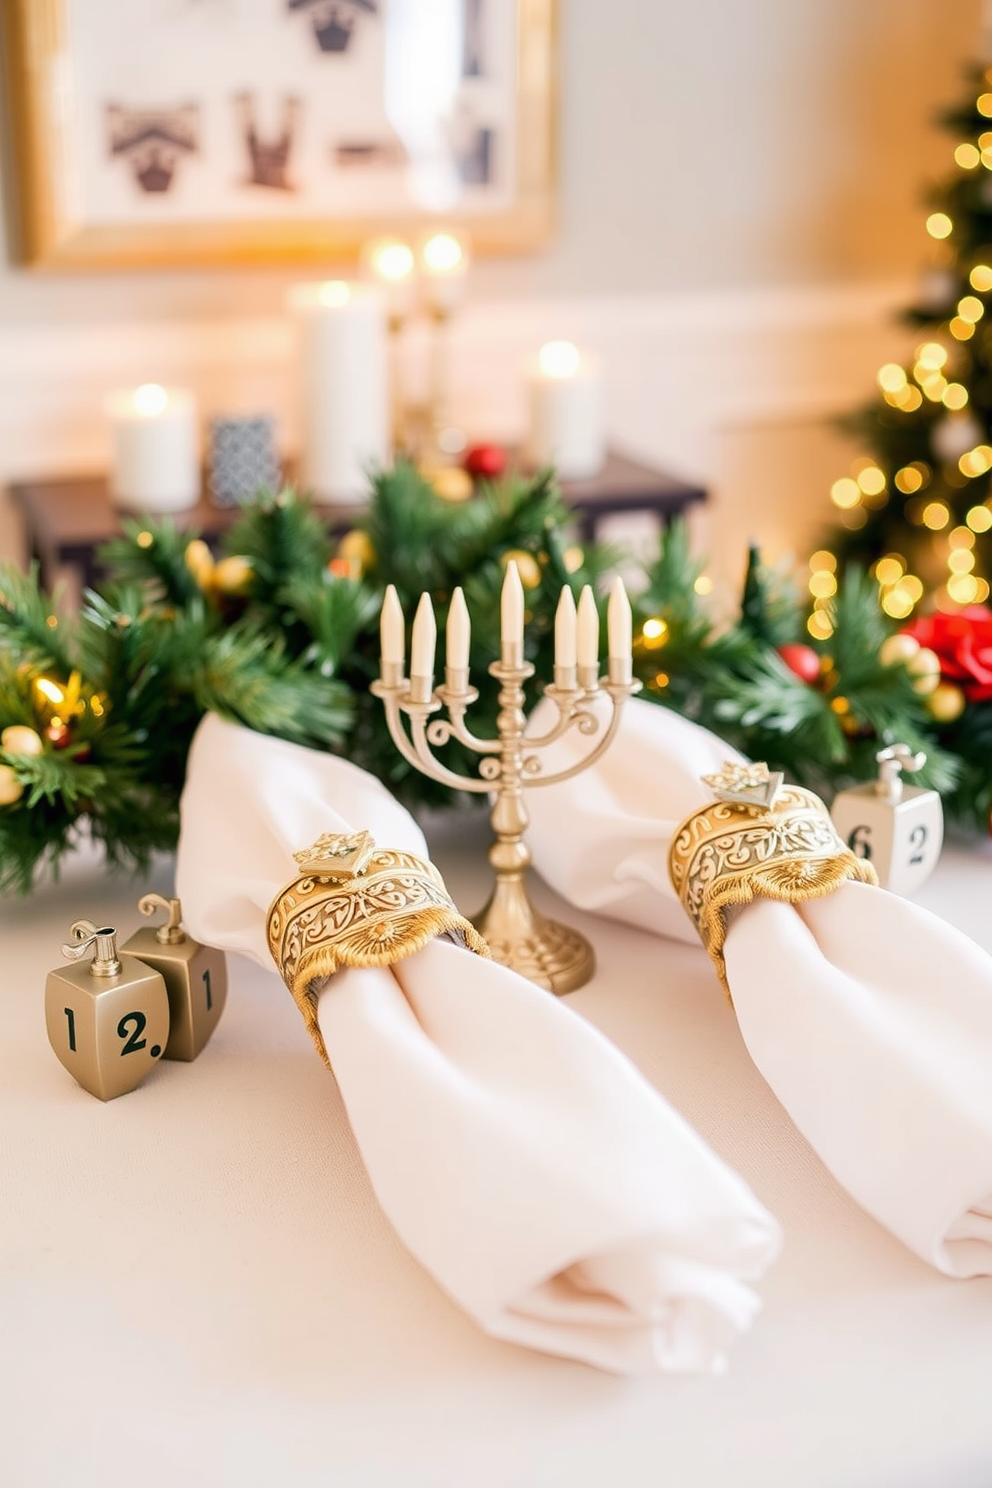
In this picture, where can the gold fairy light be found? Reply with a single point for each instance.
(912, 586)
(654, 632)
(703, 585)
(897, 602)
(819, 626)
(971, 308)
(939, 225)
(981, 591)
(979, 519)
(961, 330)
(984, 105)
(934, 387)
(891, 377)
(931, 355)
(967, 156)
(845, 493)
(960, 560)
(955, 395)
(963, 589)
(50, 690)
(908, 479)
(935, 516)
(890, 569)
(871, 480)
(822, 584)
(961, 537)
(976, 461)
(823, 561)
(854, 520)
(980, 278)
(907, 401)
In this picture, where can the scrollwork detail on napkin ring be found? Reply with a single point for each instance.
(354, 904)
(758, 839)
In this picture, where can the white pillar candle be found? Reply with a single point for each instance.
(392, 642)
(565, 398)
(343, 385)
(565, 653)
(511, 610)
(458, 633)
(155, 464)
(619, 622)
(423, 643)
(588, 630)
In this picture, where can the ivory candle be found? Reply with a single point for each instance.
(565, 397)
(565, 623)
(511, 610)
(423, 644)
(619, 622)
(155, 464)
(458, 633)
(392, 642)
(344, 381)
(588, 630)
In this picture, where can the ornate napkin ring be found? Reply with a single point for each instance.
(759, 839)
(354, 904)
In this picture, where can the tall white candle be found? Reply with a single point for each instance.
(423, 641)
(588, 630)
(344, 387)
(565, 625)
(458, 633)
(511, 608)
(392, 642)
(155, 464)
(565, 397)
(619, 622)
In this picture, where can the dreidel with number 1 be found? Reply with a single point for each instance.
(108, 1021)
(899, 828)
(195, 975)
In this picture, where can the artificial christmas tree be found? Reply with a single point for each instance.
(916, 505)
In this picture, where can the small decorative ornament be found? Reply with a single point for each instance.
(485, 461)
(924, 668)
(899, 829)
(746, 785)
(898, 649)
(946, 703)
(355, 549)
(801, 660)
(200, 562)
(195, 977)
(11, 789)
(527, 566)
(337, 855)
(22, 740)
(107, 1021)
(233, 576)
(241, 460)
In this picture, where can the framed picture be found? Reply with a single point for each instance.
(224, 131)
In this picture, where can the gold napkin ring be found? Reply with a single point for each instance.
(354, 904)
(759, 839)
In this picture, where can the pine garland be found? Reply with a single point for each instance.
(280, 633)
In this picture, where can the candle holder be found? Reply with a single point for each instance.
(551, 954)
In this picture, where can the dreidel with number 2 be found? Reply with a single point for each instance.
(107, 1020)
(195, 976)
(899, 829)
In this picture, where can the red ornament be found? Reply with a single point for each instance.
(801, 660)
(58, 734)
(485, 461)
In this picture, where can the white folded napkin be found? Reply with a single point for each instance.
(869, 1017)
(525, 1162)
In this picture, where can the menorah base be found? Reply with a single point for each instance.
(548, 953)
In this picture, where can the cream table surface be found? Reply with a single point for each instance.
(198, 1288)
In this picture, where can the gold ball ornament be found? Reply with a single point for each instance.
(450, 482)
(233, 576)
(924, 668)
(19, 739)
(11, 789)
(898, 650)
(527, 566)
(356, 549)
(200, 562)
(946, 702)
(573, 559)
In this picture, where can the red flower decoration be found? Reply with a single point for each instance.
(963, 641)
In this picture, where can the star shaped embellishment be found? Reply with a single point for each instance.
(337, 855)
(745, 785)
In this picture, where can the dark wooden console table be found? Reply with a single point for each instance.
(66, 520)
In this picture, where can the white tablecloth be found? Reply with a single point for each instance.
(197, 1286)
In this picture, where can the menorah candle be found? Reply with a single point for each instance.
(511, 615)
(588, 638)
(344, 387)
(155, 465)
(565, 395)
(457, 635)
(392, 642)
(423, 644)
(619, 632)
(444, 260)
(565, 653)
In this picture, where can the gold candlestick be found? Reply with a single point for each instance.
(551, 954)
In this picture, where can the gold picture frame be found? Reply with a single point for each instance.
(74, 144)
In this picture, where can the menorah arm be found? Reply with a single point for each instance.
(617, 696)
(571, 714)
(419, 754)
(441, 730)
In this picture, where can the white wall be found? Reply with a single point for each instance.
(739, 212)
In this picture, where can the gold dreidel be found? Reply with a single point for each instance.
(107, 1020)
(195, 976)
